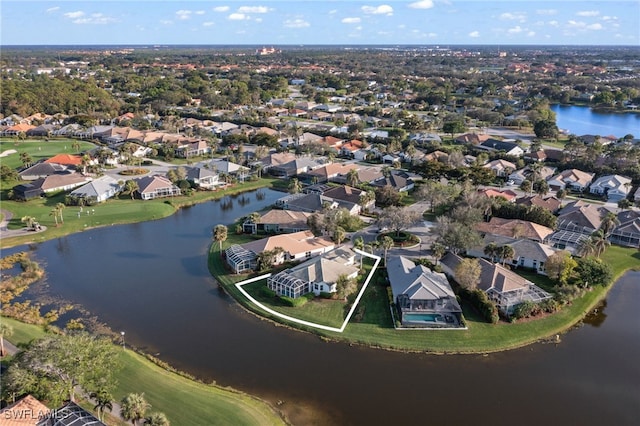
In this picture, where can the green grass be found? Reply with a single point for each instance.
(187, 402)
(374, 326)
(184, 401)
(39, 149)
(112, 212)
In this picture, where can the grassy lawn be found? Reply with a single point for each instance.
(184, 401)
(39, 149)
(111, 212)
(372, 324)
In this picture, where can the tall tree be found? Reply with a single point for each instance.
(506, 253)
(438, 250)
(492, 250)
(133, 407)
(339, 235)
(295, 186)
(608, 224)
(220, 234)
(352, 177)
(386, 242)
(5, 331)
(359, 244)
(398, 218)
(467, 273)
(103, 400)
(130, 187)
(156, 419)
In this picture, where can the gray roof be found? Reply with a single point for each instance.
(199, 173)
(42, 169)
(417, 281)
(532, 250)
(321, 269)
(97, 187)
(223, 166)
(306, 202)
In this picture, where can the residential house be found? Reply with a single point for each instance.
(423, 298)
(627, 233)
(67, 160)
(227, 167)
(295, 246)
(28, 191)
(636, 196)
(537, 156)
(287, 164)
(70, 414)
(203, 177)
(509, 148)
(500, 168)
(515, 228)
(354, 149)
(27, 411)
(365, 174)
(329, 172)
(397, 179)
(193, 149)
(425, 138)
(41, 170)
(550, 203)
(156, 186)
(439, 156)
(302, 202)
(521, 175)
(100, 189)
(43, 130)
(501, 285)
(318, 275)
(349, 195)
(507, 194)
(571, 179)
(576, 222)
(613, 187)
(278, 222)
(472, 138)
(531, 255)
(16, 129)
(60, 182)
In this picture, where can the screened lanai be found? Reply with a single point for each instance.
(241, 259)
(285, 284)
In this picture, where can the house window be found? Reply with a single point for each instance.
(308, 254)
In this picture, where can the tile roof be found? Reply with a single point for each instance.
(514, 228)
(26, 411)
(65, 159)
(295, 243)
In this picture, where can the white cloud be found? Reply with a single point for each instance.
(253, 9)
(547, 12)
(166, 22)
(553, 23)
(595, 27)
(53, 9)
(200, 12)
(333, 11)
(422, 4)
(515, 16)
(609, 18)
(237, 17)
(183, 14)
(351, 20)
(221, 9)
(296, 23)
(257, 20)
(474, 34)
(531, 33)
(95, 19)
(74, 15)
(207, 24)
(588, 13)
(383, 9)
(515, 30)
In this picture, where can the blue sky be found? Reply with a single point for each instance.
(280, 22)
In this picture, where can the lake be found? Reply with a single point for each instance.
(582, 120)
(151, 281)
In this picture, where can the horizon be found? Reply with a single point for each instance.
(320, 23)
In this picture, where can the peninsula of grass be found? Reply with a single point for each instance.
(115, 211)
(184, 401)
(373, 325)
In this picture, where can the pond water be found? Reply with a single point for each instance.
(582, 120)
(151, 281)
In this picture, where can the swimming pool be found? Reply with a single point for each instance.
(423, 317)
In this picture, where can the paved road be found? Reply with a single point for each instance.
(8, 233)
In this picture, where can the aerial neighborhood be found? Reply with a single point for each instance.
(482, 179)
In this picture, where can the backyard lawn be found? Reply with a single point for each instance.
(39, 149)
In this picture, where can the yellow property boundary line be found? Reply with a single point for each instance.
(308, 323)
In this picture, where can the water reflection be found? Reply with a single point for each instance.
(597, 316)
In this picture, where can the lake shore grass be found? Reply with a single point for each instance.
(116, 211)
(184, 401)
(375, 327)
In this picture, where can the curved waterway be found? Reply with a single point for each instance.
(151, 281)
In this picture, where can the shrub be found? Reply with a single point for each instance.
(481, 302)
(298, 301)
(326, 295)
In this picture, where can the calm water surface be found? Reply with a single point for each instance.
(582, 120)
(151, 280)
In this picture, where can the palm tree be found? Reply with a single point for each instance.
(586, 247)
(131, 187)
(76, 146)
(600, 242)
(609, 222)
(386, 243)
(506, 252)
(103, 401)
(133, 407)
(28, 220)
(438, 250)
(359, 244)
(26, 159)
(339, 235)
(352, 177)
(5, 331)
(156, 419)
(492, 251)
(220, 234)
(60, 207)
(295, 186)
(54, 212)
